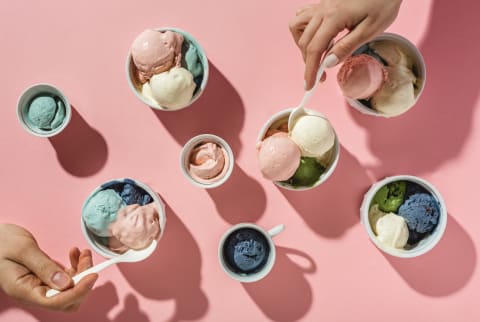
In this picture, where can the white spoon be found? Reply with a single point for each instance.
(129, 256)
(299, 111)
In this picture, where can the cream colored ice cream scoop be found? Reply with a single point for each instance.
(392, 230)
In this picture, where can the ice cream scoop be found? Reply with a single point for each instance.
(421, 212)
(208, 162)
(313, 134)
(135, 227)
(392, 230)
(307, 173)
(101, 210)
(45, 112)
(278, 157)
(361, 76)
(154, 52)
(390, 196)
(172, 89)
(192, 61)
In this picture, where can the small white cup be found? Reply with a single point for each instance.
(249, 278)
(428, 242)
(187, 150)
(419, 62)
(28, 95)
(94, 241)
(137, 88)
(333, 164)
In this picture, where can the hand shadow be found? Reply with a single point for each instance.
(100, 301)
(131, 311)
(445, 269)
(172, 272)
(435, 130)
(240, 199)
(333, 207)
(284, 294)
(81, 150)
(218, 111)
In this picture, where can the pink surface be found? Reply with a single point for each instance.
(327, 269)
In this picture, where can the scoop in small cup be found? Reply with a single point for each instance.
(207, 161)
(43, 110)
(405, 197)
(163, 81)
(311, 169)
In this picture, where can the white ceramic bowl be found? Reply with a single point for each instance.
(428, 242)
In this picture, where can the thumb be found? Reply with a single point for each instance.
(357, 37)
(48, 271)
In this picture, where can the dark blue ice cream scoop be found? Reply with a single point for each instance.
(421, 212)
(246, 251)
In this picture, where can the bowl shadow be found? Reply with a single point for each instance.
(172, 271)
(81, 150)
(341, 195)
(240, 199)
(219, 110)
(284, 294)
(445, 269)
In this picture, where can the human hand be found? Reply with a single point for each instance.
(316, 25)
(26, 272)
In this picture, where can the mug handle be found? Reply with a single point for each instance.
(276, 230)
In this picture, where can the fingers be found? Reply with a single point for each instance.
(85, 260)
(357, 37)
(298, 24)
(74, 254)
(316, 48)
(49, 272)
(304, 8)
(308, 34)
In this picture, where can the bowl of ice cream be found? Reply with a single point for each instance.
(384, 77)
(301, 159)
(207, 161)
(120, 215)
(404, 216)
(43, 110)
(166, 68)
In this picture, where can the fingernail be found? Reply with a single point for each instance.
(331, 60)
(60, 279)
(304, 85)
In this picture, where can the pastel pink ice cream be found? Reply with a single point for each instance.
(134, 228)
(361, 76)
(278, 156)
(208, 162)
(154, 52)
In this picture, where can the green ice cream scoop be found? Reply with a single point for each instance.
(390, 197)
(192, 61)
(307, 174)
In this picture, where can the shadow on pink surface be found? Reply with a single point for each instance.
(81, 150)
(435, 130)
(240, 199)
(334, 206)
(284, 295)
(172, 272)
(445, 269)
(95, 308)
(218, 111)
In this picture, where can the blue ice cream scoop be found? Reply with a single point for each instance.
(129, 191)
(421, 212)
(101, 210)
(45, 112)
(246, 251)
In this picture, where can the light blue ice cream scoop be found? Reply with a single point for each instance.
(101, 210)
(45, 112)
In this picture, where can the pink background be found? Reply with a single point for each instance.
(327, 269)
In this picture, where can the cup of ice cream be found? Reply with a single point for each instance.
(246, 252)
(43, 110)
(384, 77)
(166, 68)
(302, 159)
(207, 161)
(122, 214)
(404, 216)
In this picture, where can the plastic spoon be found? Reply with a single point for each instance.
(299, 111)
(129, 256)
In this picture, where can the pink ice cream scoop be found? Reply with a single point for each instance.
(361, 76)
(279, 157)
(135, 228)
(208, 162)
(154, 52)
